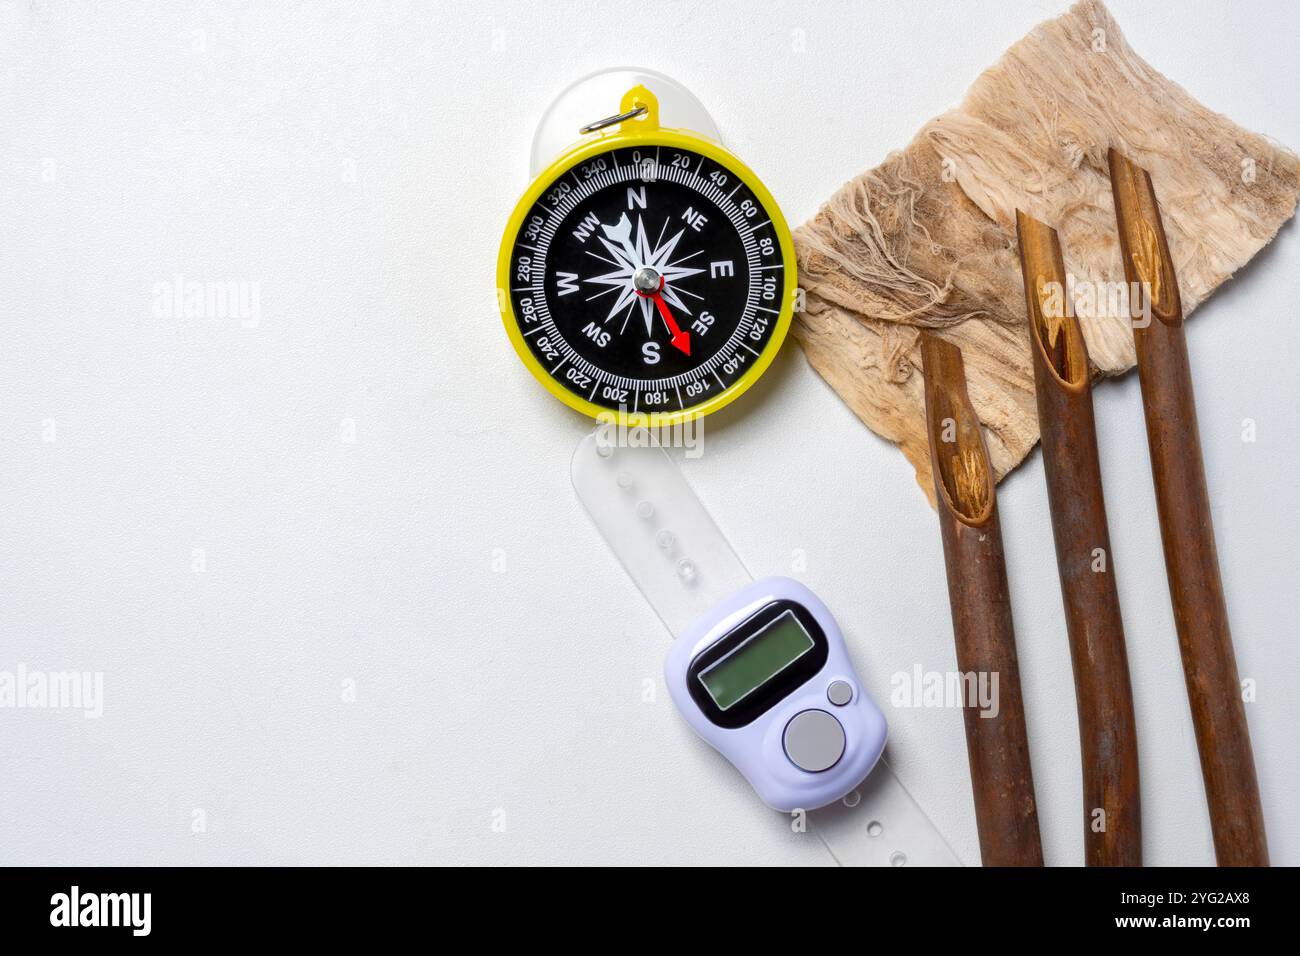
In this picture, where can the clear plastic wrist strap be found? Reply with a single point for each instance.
(675, 554)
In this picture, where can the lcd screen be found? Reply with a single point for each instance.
(755, 662)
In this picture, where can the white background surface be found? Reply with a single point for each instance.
(226, 155)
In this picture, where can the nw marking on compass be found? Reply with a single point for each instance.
(646, 274)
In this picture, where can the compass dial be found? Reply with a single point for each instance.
(650, 280)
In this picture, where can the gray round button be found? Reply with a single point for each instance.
(839, 693)
(814, 740)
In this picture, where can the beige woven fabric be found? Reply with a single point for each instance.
(927, 239)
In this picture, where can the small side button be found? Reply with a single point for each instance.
(839, 693)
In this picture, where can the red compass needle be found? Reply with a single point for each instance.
(680, 340)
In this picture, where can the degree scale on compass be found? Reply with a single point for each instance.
(647, 274)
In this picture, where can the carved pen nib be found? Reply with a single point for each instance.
(1147, 261)
(1047, 299)
(970, 481)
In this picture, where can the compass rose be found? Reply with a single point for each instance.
(633, 254)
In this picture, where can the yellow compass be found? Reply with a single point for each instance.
(646, 276)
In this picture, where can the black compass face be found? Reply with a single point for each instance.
(647, 279)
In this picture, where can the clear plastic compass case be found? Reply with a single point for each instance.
(592, 97)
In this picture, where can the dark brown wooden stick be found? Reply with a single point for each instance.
(997, 746)
(1107, 734)
(1183, 504)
